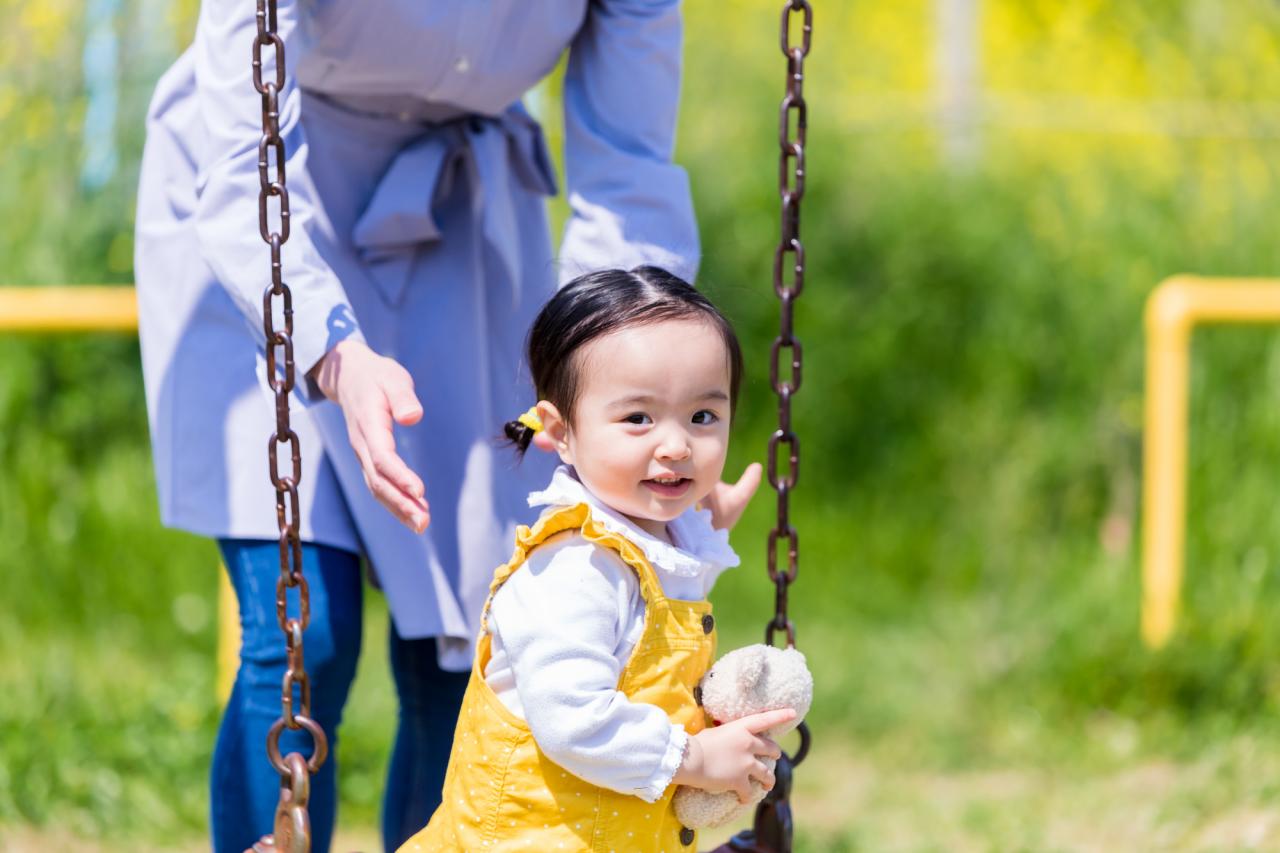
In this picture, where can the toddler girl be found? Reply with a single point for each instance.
(581, 715)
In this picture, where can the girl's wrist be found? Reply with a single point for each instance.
(690, 770)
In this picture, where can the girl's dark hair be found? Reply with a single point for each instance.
(596, 304)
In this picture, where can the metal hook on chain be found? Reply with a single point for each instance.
(292, 825)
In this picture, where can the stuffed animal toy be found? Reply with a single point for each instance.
(743, 682)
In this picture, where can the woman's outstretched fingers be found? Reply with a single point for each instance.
(391, 468)
(392, 482)
(375, 393)
(405, 406)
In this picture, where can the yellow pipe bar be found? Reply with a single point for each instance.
(112, 308)
(88, 308)
(1174, 309)
(228, 637)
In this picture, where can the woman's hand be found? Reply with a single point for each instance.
(727, 758)
(372, 391)
(727, 501)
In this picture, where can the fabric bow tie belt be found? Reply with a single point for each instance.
(493, 155)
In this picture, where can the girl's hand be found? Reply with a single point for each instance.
(727, 501)
(727, 758)
(372, 391)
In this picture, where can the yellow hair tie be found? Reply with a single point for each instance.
(531, 419)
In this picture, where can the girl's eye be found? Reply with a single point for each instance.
(637, 418)
(704, 416)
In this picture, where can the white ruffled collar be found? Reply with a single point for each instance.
(698, 547)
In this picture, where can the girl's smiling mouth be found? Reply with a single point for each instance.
(669, 487)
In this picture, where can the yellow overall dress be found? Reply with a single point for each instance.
(502, 794)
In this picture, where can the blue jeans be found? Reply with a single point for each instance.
(244, 786)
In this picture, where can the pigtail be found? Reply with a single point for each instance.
(518, 435)
(521, 431)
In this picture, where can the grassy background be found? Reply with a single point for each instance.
(970, 421)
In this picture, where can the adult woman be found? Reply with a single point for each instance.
(418, 256)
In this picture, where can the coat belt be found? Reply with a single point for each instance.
(496, 155)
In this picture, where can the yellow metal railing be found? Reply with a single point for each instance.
(90, 308)
(111, 308)
(1174, 309)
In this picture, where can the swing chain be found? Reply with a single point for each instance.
(292, 825)
(771, 830)
(791, 173)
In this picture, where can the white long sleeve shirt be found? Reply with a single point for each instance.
(564, 625)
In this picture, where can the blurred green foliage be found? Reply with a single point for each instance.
(970, 415)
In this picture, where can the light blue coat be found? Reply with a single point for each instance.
(417, 187)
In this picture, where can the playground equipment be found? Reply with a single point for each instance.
(1174, 309)
(90, 308)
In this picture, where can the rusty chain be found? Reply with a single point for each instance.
(292, 829)
(771, 830)
(791, 174)
(791, 190)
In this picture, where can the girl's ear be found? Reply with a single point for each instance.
(556, 429)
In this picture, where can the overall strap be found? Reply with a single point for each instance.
(577, 517)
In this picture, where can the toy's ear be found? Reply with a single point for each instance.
(751, 670)
(795, 658)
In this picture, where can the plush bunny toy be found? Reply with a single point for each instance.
(746, 681)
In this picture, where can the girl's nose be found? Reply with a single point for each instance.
(674, 446)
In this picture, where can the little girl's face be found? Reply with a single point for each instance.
(651, 425)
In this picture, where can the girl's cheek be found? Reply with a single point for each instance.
(715, 448)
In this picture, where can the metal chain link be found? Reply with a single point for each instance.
(791, 173)
(772, 828)
(292, 829)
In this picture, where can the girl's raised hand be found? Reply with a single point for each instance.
(727, 501)
(727, 757)
(374, 390)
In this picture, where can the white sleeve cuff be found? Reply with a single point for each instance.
(667, 768)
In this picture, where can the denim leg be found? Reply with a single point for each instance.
(430, 699)
(244, 786)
